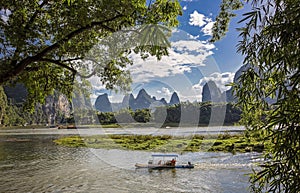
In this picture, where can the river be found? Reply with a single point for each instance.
(31, 162)
(179, 131)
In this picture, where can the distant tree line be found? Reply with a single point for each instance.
(125, 116)
(184, 113)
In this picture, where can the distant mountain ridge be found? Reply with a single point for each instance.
(103, 104)
(212, 93)
(142, 101)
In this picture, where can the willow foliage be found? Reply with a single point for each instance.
(269, 91)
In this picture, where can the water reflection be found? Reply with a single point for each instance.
(33, 163)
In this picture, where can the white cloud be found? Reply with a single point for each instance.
(191, 98)
(185, 52)
(221, 80)
(192, 94)
(197, 19)
(99, 89)
(182, 55)
(184, 8)
(194, 37)
(164, 92)
(207, 29)
(192, 46)
(96, 83)
(200, 20)
(144, 70)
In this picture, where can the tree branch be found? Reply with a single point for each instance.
(59, 63)
(20, 66)
(74, 71)
(35, 14)
(62, 64)
(27, 28)
(76, 32)
(94, 71)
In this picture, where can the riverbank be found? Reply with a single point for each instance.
(166, 143)
(59, 126)
(90, 131)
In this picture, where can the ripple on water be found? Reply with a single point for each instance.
(41, 166)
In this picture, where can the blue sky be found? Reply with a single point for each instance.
(192, 61)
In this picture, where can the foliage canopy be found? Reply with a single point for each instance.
(43, 43)
(269, 91)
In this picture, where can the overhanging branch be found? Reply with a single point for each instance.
(20, 66)
(63, 65)
(59, 63)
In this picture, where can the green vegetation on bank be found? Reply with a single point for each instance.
(166, 143)
(185, 113)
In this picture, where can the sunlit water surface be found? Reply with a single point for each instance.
(33, 163)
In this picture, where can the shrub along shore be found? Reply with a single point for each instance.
(167, 143)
